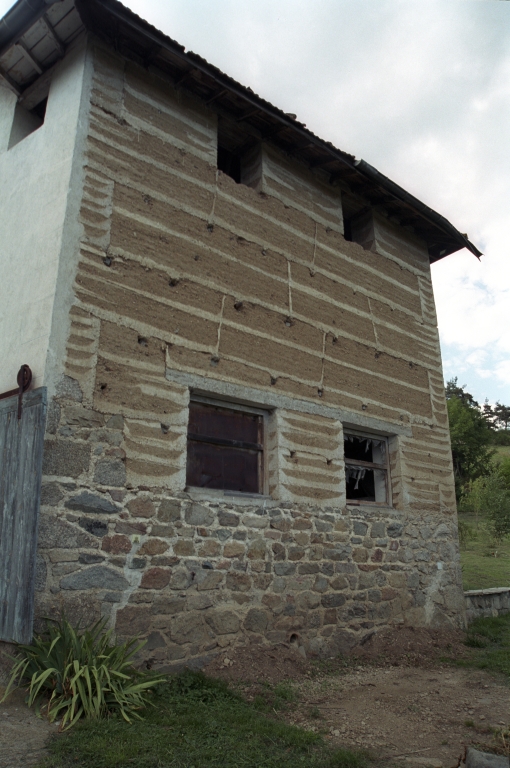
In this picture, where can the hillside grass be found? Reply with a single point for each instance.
(484, 564)
(489, 639)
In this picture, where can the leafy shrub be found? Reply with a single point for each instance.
(72, 674)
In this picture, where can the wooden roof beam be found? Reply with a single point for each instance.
(53, 35)
(28, 56)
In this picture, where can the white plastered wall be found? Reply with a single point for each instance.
(38, 240)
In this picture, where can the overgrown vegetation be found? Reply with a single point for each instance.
(72, 674)
(198, 722)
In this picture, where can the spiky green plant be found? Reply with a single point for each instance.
(72, 674)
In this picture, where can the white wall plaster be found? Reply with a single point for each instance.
(34, 184)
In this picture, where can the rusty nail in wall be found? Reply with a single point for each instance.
(238, 305)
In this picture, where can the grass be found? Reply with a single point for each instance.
(484, 564)
(198, 723)
(502, 451)
(490, 640)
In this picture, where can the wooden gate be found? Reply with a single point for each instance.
(21, 450)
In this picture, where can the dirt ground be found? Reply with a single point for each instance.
(395, 698)
(22, 734)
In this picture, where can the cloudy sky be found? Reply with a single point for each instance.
(418, 88)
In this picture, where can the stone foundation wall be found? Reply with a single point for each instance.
(487, 602)
(195, 575)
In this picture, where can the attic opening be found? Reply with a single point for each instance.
(238, 153)
(26, 121)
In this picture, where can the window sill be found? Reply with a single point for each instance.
(369, 504)
(235, 497)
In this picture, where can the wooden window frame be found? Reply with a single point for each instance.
(384, 467)
(265, 413)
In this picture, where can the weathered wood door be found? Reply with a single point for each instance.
(21, 449)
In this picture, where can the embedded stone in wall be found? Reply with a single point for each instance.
(169, 511)
(110, 472)
(65, 458)
(93, 578)
(95, 527)
(54, 532)
(141, 507)
(91, 502)
(69, 389)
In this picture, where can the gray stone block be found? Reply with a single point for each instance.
(360, 529)
(115, 422)
(51, 494)
(57, 533)
(90, 502)
(97, 577)
(110, 472)
(284, 569)
(476, 759)
(228, 518)
(223, 622)
(83, 417)
(88, 558)
(333, 601)
(65, 458)
(256, 620)
(169, 511)
(378, 529)
(197, 514)
(95, 527)
(395, 530)
(69, 389)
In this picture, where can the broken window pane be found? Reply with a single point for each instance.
(366, 470)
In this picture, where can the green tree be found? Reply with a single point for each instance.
(488, 497)
(502, 415)
(470, 437)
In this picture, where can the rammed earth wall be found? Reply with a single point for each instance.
(186, 280)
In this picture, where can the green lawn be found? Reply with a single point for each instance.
(502, 451)
(484, 564)
(198, 722)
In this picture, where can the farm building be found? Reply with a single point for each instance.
(236, 428)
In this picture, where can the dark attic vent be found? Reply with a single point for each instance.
(230, 163)
(238, 153)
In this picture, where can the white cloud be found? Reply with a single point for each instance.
(421, 90)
